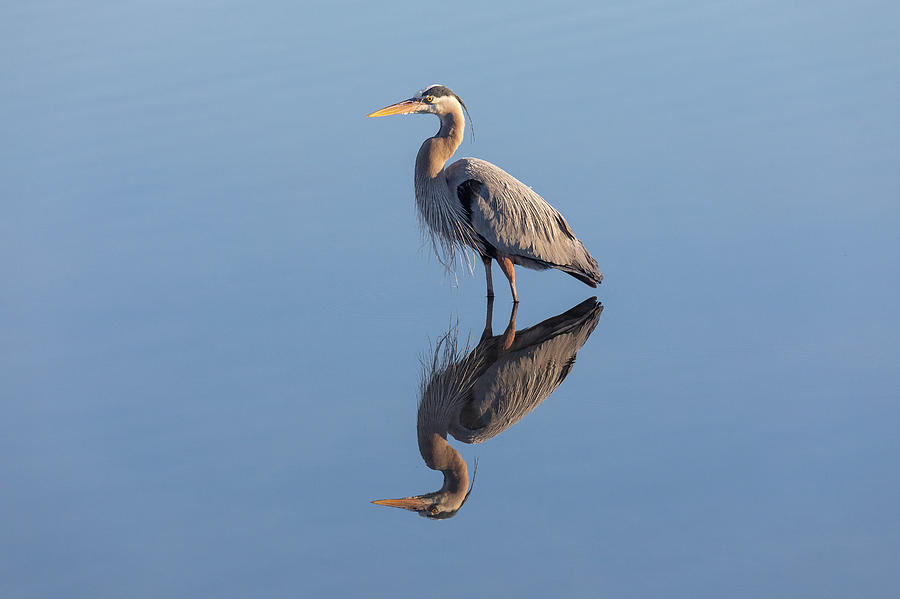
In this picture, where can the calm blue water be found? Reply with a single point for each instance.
(216, 300)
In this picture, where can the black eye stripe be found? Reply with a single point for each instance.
(437, 91)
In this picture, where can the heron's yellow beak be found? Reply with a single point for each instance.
(404, 107)
(408, 503)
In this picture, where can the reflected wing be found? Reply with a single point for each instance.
(540, 358)
(512, 219)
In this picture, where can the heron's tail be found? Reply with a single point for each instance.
(588, 279)
(584, 268)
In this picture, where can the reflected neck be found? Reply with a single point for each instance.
(439, 455)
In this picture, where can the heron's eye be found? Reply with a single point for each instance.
(434, 509)
(429, 99)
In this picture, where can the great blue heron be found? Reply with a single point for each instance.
(473, 203)
(477, 395)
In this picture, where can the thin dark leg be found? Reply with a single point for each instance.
(488, 318)
(486, 260)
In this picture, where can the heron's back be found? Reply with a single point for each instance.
(514, 220)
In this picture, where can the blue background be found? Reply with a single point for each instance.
(215, 299)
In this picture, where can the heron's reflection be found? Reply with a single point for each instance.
(479, 394)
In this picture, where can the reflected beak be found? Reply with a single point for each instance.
(408, 503)
(405, 107)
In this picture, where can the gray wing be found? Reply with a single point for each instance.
(521, 379)
(511, 219)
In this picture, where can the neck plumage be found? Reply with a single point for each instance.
(439, 209)
(437, 150)
(439, 455)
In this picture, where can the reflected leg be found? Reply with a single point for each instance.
(509, 335)
(488, 319)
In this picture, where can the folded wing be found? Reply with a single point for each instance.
(511, 219)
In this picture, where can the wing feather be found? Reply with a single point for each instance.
(514, 220)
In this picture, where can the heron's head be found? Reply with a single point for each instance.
(434, 99)
(434, 506)
(441, 504)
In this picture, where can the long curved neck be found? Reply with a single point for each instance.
(439, 455)
(438, 206)
(436, 150)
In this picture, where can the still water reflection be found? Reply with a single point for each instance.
(476, 395)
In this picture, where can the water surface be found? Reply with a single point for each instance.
(216, 299)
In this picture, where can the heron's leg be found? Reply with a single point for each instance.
(488, 318)
(506, 265)
(486, 260)
(509, 335)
